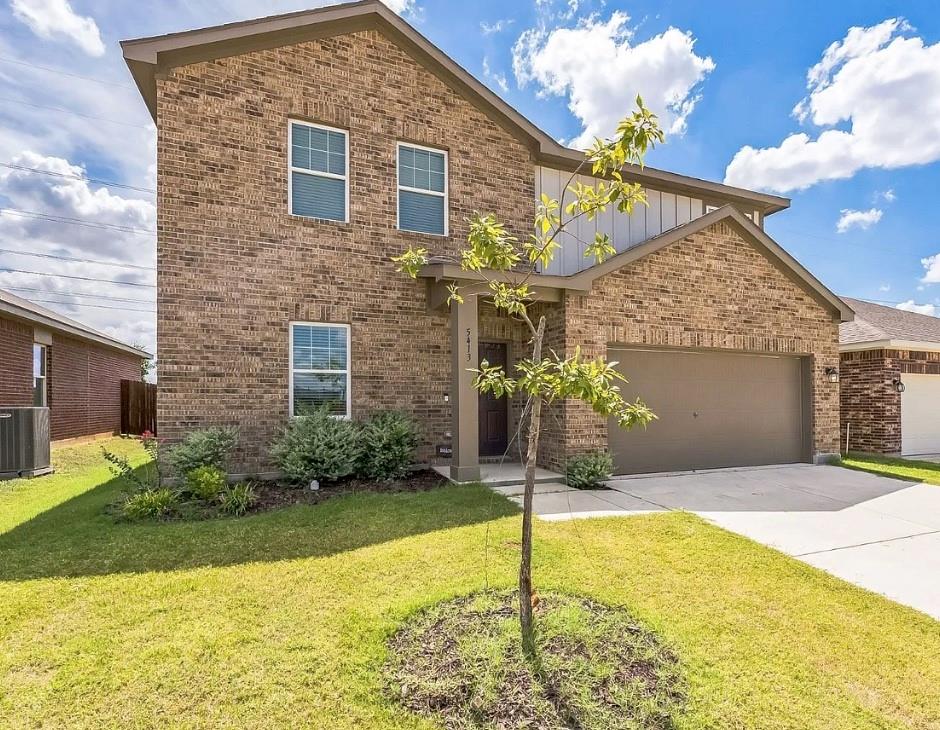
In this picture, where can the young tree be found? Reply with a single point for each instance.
(509, 267)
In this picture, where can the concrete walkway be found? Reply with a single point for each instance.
(879, 533)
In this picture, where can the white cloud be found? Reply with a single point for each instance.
(399, 6)
(931, 269)
(910, 306)
(884, 85)
(498, 27)
(51, 18)
(888, 196)
(884, 288)
(65, 197)
(863, 219)
(601, 84)
(497, 78)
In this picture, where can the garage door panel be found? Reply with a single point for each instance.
(920, 414)
(714, 410)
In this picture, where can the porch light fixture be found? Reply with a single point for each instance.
(832, 375)
(898, 385)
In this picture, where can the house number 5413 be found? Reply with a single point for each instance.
(468, 344)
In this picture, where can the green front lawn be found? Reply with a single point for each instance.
(916, 471)
(280, 619)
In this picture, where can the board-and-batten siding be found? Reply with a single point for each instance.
(665, 211)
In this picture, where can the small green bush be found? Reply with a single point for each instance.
(589, 470)
(237, 499)
(150, 504)
(319, 447)
(389, 440)
(205, 483)
(208, 447)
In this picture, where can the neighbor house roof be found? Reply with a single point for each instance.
(25, 310)
(743, 226)
(877, 326)
(147, 57)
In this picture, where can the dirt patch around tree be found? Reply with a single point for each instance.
(461, 664)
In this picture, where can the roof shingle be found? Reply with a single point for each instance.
(877, 322)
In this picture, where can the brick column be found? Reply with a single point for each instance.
(464, 400)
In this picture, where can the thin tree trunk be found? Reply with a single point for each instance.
(525, 564)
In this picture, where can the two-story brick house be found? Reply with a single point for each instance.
(298, 153)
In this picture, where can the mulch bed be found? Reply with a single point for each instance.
(270, 495)
(597, 668)
(274, 495)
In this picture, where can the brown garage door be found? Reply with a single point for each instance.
(715, 410)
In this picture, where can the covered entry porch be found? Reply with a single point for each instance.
(484, 429)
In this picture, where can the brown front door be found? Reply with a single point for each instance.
(494, 416)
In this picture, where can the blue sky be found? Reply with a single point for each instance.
(736, 84)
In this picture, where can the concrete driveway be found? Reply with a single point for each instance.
(879, 533)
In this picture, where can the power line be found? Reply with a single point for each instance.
(77, 294)
(69, 111)
(95, 306)
(77, 260)
(78, 278)
(7, 59)
(109, 183)
(881, 301)
(77, 221)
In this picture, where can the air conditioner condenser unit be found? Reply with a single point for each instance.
(24, 442)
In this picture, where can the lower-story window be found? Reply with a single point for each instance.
(40, 365)
(319, 369)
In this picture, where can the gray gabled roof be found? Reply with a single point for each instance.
(23, 309)
(886, 326)
(147, 57)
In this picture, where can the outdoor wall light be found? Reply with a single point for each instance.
(832, 375)
(898, 385)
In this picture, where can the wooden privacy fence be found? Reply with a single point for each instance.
(138, 407)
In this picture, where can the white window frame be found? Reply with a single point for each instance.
(291, 370)
(45, 372)
(304, 171)
(399, 187)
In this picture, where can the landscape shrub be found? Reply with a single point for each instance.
(237, 499)
(206, 483)
(145, 476)
(317, 446)
(389, 440)
(589, 470)
(150, 504)
(208, 447)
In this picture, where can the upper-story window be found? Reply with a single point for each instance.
(422, 189)
(319, 172)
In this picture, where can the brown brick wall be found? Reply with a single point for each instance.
(84, 387)
(16, 363)
(83, 384)
(709, 290)
(871, 405)
(235, 268)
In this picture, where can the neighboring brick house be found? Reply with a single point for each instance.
(50, 360)
(298, 153)
(890, 381)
